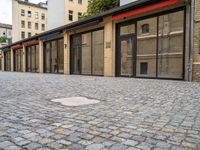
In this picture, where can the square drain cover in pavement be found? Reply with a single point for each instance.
(76, 101)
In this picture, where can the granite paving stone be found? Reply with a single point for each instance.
(133, 114)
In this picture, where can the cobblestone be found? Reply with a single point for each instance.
(132, 114)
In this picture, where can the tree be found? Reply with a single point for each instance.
(3, 39)
(98, 6)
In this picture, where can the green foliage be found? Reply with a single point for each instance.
(98, 6)
(3, 39)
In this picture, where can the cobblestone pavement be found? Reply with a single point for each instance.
(132, 114)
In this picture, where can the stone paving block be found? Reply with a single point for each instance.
(130, 143)
(33, 146)
(95, 146)
(5, 144)
(155, 114)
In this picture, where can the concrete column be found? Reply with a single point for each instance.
(109, 53)
(41, 57)
(12, 59)
(24, 58)
(66, 54)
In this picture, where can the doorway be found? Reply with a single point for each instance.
(126, 51)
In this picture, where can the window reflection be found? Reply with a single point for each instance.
(170, 49)
(18, 60)
(147, 47)
(32, 58)
(88, 53)
(54, 56)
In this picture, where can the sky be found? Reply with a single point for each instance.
(6, 10)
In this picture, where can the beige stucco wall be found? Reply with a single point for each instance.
(76, 8)
(109, 60)
(66, 53)
(17, 18)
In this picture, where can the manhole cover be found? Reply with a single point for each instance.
(75, 101)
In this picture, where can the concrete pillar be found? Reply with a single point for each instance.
(12, 59)
(41, 57)
(66, 54)
(109, 53)
(24, 58)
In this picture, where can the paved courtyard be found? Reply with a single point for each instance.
(132, 114)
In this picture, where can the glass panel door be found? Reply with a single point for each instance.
(127, 64)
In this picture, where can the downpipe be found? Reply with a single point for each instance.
(191, 38)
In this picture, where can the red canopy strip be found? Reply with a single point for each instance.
(145, 9)
(16, 46)
(31, 42)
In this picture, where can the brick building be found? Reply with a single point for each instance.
(145, 39)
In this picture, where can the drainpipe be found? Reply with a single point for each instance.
(191, 38)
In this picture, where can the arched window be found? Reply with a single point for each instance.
(145, 28)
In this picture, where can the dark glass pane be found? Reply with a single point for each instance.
(37, 58)
(54, 58)
(47, 57)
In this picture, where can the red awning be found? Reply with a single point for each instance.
(16, 46)
(146, 9)
(33, 42)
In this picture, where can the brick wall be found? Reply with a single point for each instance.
(196, 65)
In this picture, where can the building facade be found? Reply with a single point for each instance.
(5, 32)
(145, 39)
(67, 11)
(28, 19)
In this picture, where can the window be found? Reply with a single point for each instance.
(143, 68)
(70, 15)
(36, 15)
(79, 1)
(88, 53)
(146, 48)
(79, 15)
(29, 13)
(54, 56)
(22, 35)
(29, 25)
(43, 16)
(29, 34)
(161, 53)
(22, 24)
(36, 26)
(32, 58)
(145, 28)
(22, 12)
(129, 29)
(43, 27)
(170, 45)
